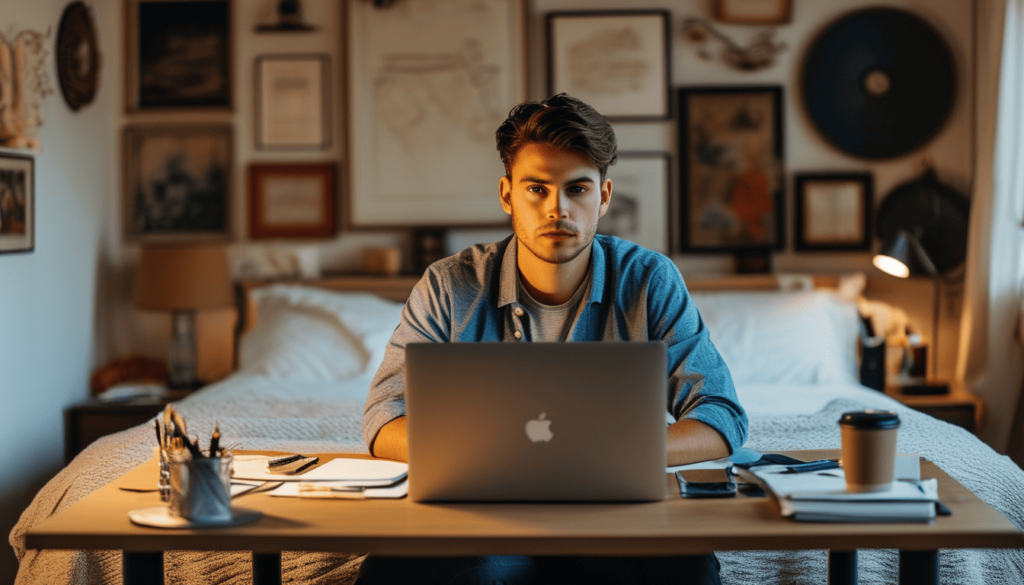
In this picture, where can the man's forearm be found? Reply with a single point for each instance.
(392, 441)
(690, 441)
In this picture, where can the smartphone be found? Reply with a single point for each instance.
(706, 483)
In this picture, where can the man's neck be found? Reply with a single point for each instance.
(548, 283)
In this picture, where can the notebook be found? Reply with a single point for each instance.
(536, 422)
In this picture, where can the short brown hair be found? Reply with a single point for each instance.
(560, 121)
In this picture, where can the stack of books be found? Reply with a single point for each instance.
(821, 496)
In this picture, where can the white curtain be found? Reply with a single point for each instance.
(991, 359)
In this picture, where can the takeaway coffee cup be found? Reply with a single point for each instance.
(869, 449)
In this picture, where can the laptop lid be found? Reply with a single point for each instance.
(536, 422)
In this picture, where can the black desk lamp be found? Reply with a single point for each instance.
(923, 228)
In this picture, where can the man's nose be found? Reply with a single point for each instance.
(558, 206)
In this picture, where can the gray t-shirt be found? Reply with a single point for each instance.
(550, 322)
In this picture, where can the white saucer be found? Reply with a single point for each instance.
(160, 517)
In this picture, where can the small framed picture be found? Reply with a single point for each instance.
(17, 203)
(292, 102)
(295, 201)
(178, 54)
(833, 211)
(731, 169)
(177, 182)
(618, 61)
(753, 11)
(638, 211)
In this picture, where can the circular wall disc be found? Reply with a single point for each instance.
(879, 83)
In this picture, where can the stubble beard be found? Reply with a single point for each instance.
(558, 255)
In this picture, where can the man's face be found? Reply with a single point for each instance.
(555, 198)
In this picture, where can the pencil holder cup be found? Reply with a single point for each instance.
(163, 482)
(200, 488)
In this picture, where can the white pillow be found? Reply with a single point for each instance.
(316, 335)
(772, 337)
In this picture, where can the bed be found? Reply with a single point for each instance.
(307, 352)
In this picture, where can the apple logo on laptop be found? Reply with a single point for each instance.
(539, 429)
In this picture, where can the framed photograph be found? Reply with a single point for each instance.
(177, 182)
(293, 102)
(618, 61)
(731, 168)
(292, 201)
(17, 203)
(178, 54)
(428, 87)
(753, 11)
(833, 211)
(638, 211)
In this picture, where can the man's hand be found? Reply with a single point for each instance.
(689, 441)
(392, 441)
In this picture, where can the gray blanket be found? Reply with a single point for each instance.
(266, 414)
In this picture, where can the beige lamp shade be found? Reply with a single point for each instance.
(174, 278)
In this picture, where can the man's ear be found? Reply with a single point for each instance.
(606, 197)
(505, 193)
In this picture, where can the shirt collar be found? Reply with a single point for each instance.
(508, 291)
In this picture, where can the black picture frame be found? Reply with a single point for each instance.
(178, 55)
(636, 85)
(17, 203)
(731, 163)
(833, 211)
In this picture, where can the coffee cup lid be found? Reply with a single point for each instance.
(871, 419)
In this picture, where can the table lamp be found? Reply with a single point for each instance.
(183, 279)
(923, 228)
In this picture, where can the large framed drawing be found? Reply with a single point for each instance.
(429, 83)
(177, 182)
(731, 169)
(618, 61)
(178, 54)
(833, 211)
(638, 211)
(17, 203)
(292, 102)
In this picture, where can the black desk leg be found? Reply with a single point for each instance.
(842, 567)
(142, 568)
(919, 566)
(266, 568)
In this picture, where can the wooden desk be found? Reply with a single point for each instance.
(674, 526)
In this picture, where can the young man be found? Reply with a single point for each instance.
(555, 280)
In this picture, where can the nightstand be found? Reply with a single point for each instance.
(958, 407)
(92, 419)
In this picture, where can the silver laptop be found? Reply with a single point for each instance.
(536, 422)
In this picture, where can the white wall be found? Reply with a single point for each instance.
(48, 297)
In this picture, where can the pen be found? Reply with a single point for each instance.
(813, 466)
(215, 440)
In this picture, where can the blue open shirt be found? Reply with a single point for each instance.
(635, 295)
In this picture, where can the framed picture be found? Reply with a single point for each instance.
(618, 61)
(17, 203)
(292, 102)
(177, 182)
(428, 87)
(731, 163)
(178, 54)
(753, 11)
(292, 201)
(638, 211)
(833, 211)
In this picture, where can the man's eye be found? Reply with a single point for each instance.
(535, 189)
(577, 189)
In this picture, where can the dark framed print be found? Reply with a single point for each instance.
(618, 61)
(177, 182)
(753, 11)
(178, 54)
(292, 201)
(731, 168)
(833, 211)
(427, 88)
(78, 56)
(638, 211)
(292, 102)
(17, 203)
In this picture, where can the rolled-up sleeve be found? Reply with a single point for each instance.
(700, 385)
(425, 318)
